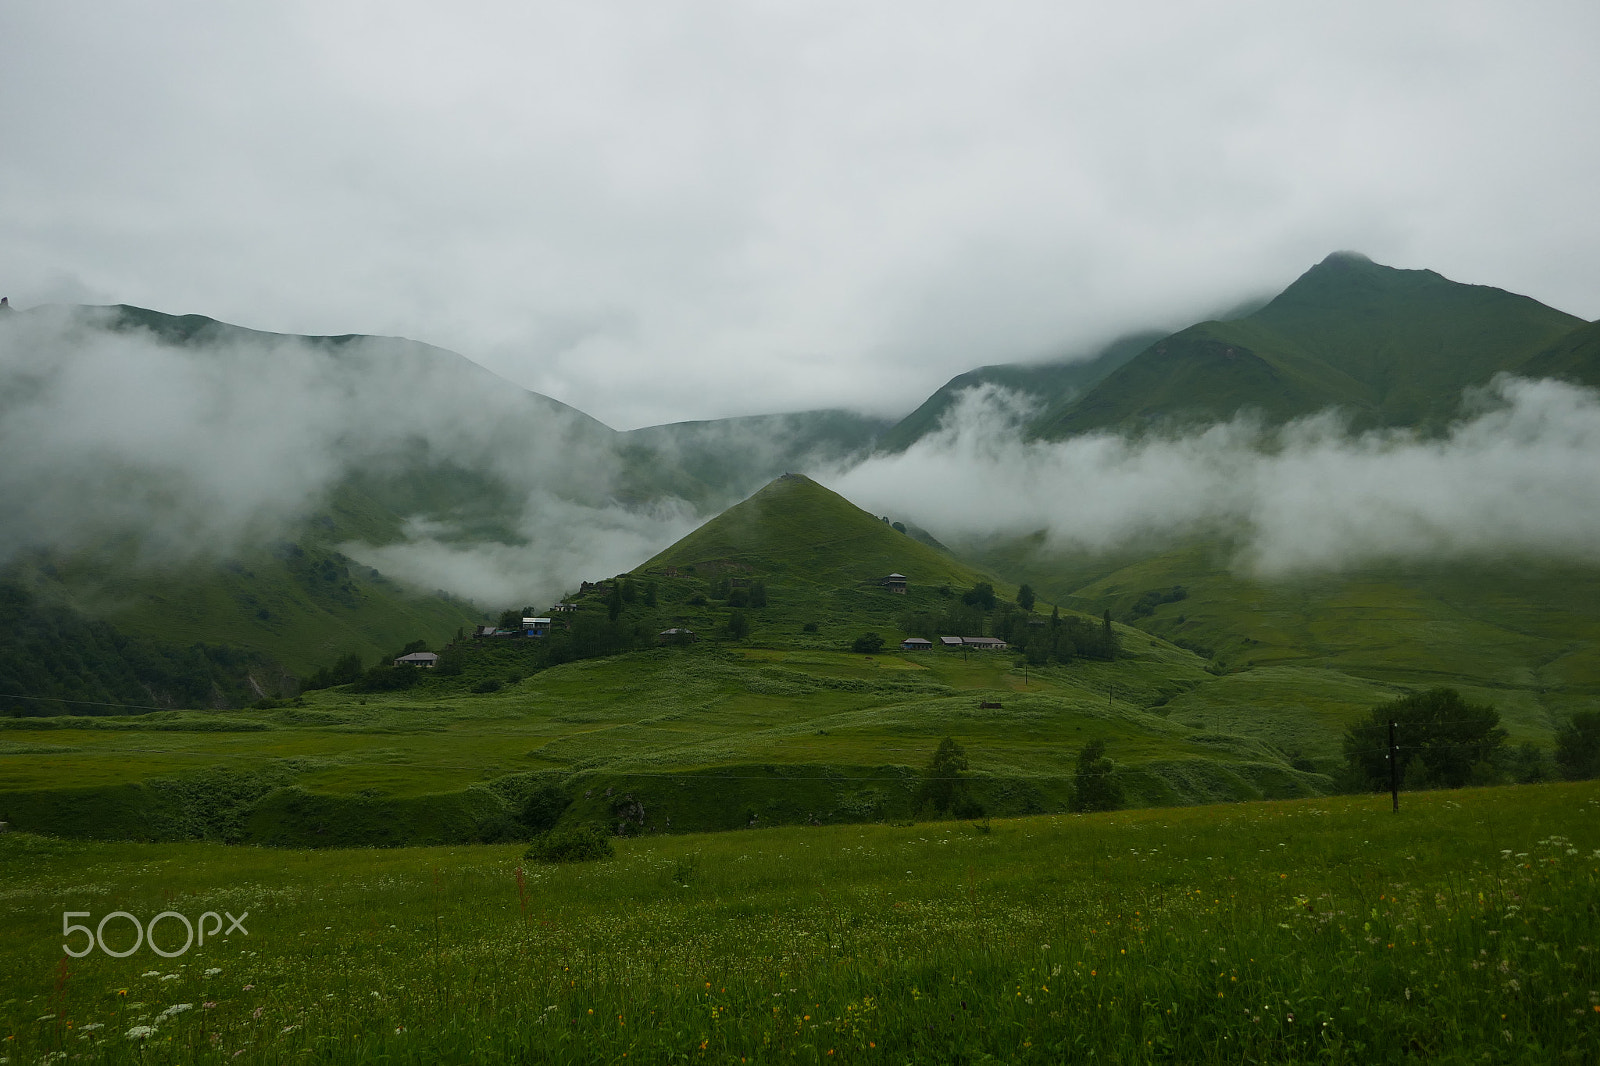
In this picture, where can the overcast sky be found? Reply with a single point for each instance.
(662, 211)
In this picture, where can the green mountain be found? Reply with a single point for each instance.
(1391, 347)
(1051, 385)
(796, 530)
(1575, 358)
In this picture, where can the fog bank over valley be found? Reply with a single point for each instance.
(1516, 475)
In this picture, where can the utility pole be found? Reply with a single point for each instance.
(1394, 768)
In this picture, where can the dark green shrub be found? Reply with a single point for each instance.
(868, 644)
(486, 686)
(573, 843)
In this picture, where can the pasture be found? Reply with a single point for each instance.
(1462, 929)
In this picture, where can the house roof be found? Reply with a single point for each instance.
(950, 642)
(535, 621)
(984, 642)
(916, 640)
(418, 657)
(895, 577)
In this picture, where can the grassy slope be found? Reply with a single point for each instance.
(1521, 635)
(785, 726)
(1052, 385)
(1575, 358)
(1393, 347)
(796, 531)
(1325, 930)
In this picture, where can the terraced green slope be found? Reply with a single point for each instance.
(1391, 347)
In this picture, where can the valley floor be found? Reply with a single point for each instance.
(1325, 929)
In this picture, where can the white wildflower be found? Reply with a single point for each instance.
(141, 1032)
(213, 971)
(176, 1008)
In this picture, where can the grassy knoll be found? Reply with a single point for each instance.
(1326, 930)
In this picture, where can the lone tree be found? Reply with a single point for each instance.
(942, 784)
(1578, 747)
(1025, 597)
(1443, 742)
(738, 625)
(1095, 786)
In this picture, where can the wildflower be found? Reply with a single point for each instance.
(141, 1032)
(249, 988)
(257, 1012)
(91, 1027)
(122, 991)
(176, 1008)
(213, 971)
(151, 973)
(208, 1006)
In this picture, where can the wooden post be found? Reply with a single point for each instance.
(1394, 768)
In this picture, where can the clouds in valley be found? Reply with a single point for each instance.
(692, 211)
(199, 452)
(1517, 476)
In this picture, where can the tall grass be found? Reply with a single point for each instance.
(1329, 930)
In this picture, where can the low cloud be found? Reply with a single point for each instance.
(1517, 475)
(198, 452)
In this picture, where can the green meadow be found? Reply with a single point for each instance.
(1461, 929)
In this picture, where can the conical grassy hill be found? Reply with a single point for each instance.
(795, 531)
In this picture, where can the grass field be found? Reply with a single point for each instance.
(1462, 929)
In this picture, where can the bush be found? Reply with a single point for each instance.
(576, 843)
(809, 627)
(868, 644)
(487, 686)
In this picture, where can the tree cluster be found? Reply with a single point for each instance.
(1442, 742)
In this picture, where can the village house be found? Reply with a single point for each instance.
(949, 642)
(418, 658)
(895, 583)
(563, 608)
(536, 627)
(677, 635)
(916, 644)
(984, 643)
